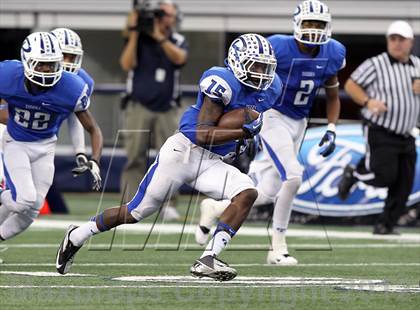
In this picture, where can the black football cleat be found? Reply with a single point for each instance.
(346, 183)
(66, 252)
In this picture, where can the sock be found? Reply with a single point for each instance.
(14, 224)
(281, 214)
(84, 232)
(220, 240)
(279, 239)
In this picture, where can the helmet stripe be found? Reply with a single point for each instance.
(243, 42)
(311, 8)
(42, 45)
(270, 49)
(260, 46)
(52, 45)
(66, 38)
(321, 8)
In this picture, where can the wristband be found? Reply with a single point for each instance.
(331, 127)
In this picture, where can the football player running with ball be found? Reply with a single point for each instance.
(306, 61)
(39, 96)
(194, 156)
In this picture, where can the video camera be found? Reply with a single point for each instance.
(147, 13)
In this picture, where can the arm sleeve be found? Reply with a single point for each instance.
(77, 134)
(364, 74)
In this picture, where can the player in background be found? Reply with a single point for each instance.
(3, 120)
(194, 154)
(306, 61)
(39, 97)
(72, 49)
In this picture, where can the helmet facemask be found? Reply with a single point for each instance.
(72, 61)
(312, 35)
(259, 72)
(43, 73)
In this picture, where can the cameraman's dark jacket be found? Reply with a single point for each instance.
(155, 78)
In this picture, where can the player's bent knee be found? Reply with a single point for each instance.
(292, 184)
(26, 202)
(246, 198)
(295, 171)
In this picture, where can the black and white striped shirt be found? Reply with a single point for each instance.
(386, 79)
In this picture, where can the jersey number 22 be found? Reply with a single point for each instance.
(36, 121)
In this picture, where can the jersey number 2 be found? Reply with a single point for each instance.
(302, 96)
(36, 121)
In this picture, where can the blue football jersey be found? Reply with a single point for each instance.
(88, 80)
(39, 116)
(220, 84)
(303, 75)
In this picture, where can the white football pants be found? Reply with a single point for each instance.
(180, 161)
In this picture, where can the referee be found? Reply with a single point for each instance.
(387, 86)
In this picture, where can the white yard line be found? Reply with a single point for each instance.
(235, 265)
(182, 246)
(239, 282)
(244, 231)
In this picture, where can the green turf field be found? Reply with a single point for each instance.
(157, 269)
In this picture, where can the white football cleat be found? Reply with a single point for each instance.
(280, 258)
(208, 217)
(170, 213)
(212, 267)
(201, 235)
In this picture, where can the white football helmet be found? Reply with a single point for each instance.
(312, 10)
(251, 58)
(70, 43)
(42, 59)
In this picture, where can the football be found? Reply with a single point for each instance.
(236, 118)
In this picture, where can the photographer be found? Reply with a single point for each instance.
(153, 55)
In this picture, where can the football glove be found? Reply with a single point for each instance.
(81, 159)
(94, 170)
(253, 128)
(327, 143)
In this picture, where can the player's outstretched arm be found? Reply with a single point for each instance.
(4, 114)
(89, 123)
(333, 99)
(327, 143)
(207, 131)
